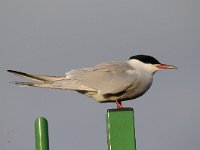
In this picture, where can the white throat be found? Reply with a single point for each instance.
(138, 65)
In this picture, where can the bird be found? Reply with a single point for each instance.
(113, 81)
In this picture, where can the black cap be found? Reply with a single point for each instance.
(145, 59)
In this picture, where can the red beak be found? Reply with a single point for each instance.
(165, 66)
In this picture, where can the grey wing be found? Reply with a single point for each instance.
(106, 78)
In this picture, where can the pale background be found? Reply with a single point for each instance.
(54, 36)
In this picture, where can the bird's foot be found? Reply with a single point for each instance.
(119, 104)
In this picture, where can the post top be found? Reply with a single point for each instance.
(122, 109)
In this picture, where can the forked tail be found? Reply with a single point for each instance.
(38, 80)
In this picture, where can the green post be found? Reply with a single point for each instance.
(41, 134)
(120, 129)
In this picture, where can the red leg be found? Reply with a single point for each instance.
(119, 104)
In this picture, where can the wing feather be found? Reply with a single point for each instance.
(106, 77)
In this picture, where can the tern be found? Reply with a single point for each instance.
(114, 81)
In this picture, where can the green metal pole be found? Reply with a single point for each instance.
(41, 134)
(121, 129)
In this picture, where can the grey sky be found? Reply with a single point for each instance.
(52, 37)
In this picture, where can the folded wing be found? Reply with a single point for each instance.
(106, 78)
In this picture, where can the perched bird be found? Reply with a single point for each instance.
(114, 81)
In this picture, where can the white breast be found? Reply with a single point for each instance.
(140, 87)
